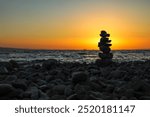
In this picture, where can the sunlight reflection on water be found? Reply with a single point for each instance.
(71, 56)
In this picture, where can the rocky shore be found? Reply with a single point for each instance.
(52, 80)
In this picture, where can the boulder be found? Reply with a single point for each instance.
(41, 82)
(44, 87)
(3, 70)
(5, 89)
(95, 87)
(140, 85)
(34, 93)
(48, 64)
(20, 83)
(11, 78)
(78, 77)
(27, 94)
(68, 91)
(6, 65)
(14, 64)
(49, 78)
(110, 88)
(116, 74)
(81, 91)
(129, 93)
(43, 96)
(59, 89)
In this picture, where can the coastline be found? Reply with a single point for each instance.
(53, 80)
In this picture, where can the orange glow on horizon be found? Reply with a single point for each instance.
(79, 34)
(76, 27)
(77, 44)
(87, 37)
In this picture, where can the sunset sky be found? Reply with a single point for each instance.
(74, 24)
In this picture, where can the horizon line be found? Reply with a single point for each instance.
(67, 49)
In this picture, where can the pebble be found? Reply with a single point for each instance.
(59, 89)
(116, 74)
(3, 70)
(11, 78)
(5, 89)
(14, 63)
(44, 87)
(34, 93)
(74, 81)
(20, 83)
(68, 91)
(43, 96)
(81, 91)
(27, 94)
(48, 64)
(6, 65)
(78, 77)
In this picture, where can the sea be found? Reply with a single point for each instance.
(88, 56)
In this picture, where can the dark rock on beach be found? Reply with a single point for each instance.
(5, 89)
(20, 83)
(48, 64)
(14, 64)
(3, 70)
(52, 80)
(78, 77)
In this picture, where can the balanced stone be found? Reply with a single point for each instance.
(104, 46)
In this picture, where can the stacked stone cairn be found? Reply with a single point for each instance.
(104, 46)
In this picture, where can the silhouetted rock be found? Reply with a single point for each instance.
(44, 87)
(48, 64)
(104, 34)
(125, 80)
(104, 46)
(49, 78)
(27, 94)
(11, 78)
(104, 56)
(78, 77)
(3, 70)
(140, 86)
(5, 89)
(20, 83)
(7, 65)
(43, 96)
(95, 86)
(68, 91)
(14, 64)
(59, 89)
(81, 92)
(34, 93)
(116, 74)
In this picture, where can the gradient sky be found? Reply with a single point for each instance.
(74, 24)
